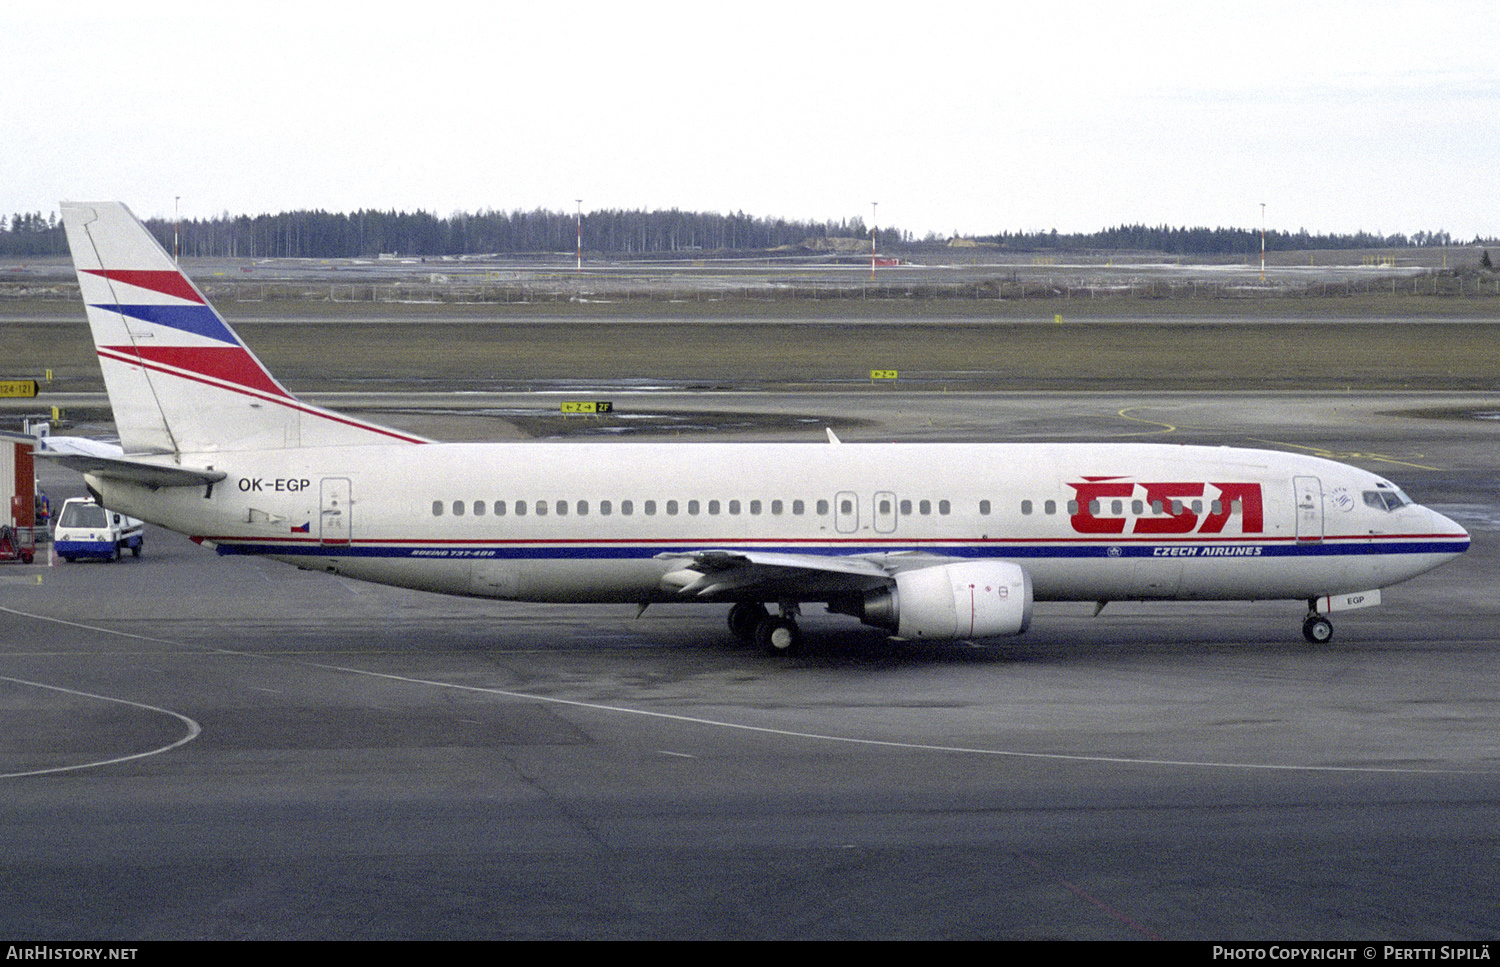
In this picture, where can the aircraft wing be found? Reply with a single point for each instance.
(769, 575)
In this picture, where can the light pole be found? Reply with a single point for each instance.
(1263, 241)
(176, 220)
(580, 235)
(874, 207)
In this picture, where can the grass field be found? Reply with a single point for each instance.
(988, 354)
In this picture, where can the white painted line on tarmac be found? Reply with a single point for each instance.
(762, 729)
(193, 730)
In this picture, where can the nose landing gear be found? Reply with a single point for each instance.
(1317, 629)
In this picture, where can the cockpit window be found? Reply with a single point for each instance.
(1386, 499)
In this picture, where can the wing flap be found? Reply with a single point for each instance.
(767, 574)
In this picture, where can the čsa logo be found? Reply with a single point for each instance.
(1107, 504)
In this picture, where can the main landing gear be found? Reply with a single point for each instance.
(775, 634)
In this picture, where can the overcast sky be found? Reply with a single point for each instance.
(955, 117)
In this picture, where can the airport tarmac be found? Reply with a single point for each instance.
(206, 747)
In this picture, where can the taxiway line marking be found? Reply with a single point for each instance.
(743, 727)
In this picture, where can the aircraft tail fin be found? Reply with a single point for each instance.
(180, 380)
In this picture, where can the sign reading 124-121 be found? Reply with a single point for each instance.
(14, 388)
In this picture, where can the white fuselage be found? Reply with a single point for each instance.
(586, 522)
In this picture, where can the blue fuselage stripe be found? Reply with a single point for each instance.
(626, 551)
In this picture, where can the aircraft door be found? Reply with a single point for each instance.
(846, 512)
(1309, 492)
(884, 505)
(334, 521)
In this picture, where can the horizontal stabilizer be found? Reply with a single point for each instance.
(133, 470)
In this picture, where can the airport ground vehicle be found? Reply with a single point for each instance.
(17, 543)
(84, 529)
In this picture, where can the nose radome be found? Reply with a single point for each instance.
(1447, 527)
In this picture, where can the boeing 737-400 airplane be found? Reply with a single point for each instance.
(929, 541)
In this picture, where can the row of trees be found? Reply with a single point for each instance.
(32, 234)
(368, 233)
(1213, 241)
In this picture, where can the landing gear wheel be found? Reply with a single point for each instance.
(135, 551)
(1317, 629)
(744, 618)
(779, 636)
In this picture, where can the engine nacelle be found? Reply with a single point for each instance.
(968, 599)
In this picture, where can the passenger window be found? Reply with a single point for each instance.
(885, 507)
(478, 508)
(776, 507)
(649, 508)
(798, 507)
(925, 506)
(755, 508)
(944, 507)
(693, 507)
(458, 508)
(541, 508)
(734, 506)
(822, 508)
(905, 508)
(583, 508)
(562, 508)
(499, 508)
(984, 507)
(1025, 507)
(605, 508)
(672, 508)
(437, 508)
(1136, 507)
(713, 506)
(520, 508)
(1050, 507)
(846, 506)
(627, 507)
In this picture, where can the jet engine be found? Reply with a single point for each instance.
(967, 599)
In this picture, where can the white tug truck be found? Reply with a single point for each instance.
(84, 529)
